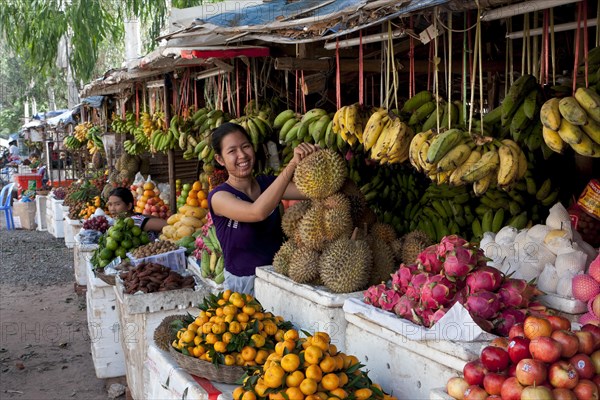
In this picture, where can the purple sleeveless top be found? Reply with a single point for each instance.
(247, 245)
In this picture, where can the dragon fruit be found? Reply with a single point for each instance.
(517, 293)
(449, 244)
(373, 293)
(388, 299)
(484, 278)
(429, 261)
(507, 318)
(404, 306)
(413, 290)
(458, 263)
(483, 304)
(422, 315)
(436, 316)
(437, 291)
(402, 277)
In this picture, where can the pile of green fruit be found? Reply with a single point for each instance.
(120, 238)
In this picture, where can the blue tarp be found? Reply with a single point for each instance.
(93, 101)
(64, 118)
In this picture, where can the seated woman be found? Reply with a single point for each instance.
(121, 203)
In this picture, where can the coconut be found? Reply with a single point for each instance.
(548, 279)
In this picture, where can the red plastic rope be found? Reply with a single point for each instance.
(429, 72)
(411, 60)
(195, 94)
(585, 40)
(361, 71)
(296, 101)
(248, 84)
(303, 94)
(544, 70)
(237, 89)
(338, 85)
(576, 58)
(137, 104)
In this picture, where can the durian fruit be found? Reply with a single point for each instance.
(383, 260)
(383, 231)
(97, 161)
(337, 220)
(320, 174)
(358, 202)
(412, 245)
(368, 217)
(345, 265)
(396, 247)
(281, 260)
(304, 265)
(292, 217)
(310, 229)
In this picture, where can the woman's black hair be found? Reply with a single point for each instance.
(124, 194)
(225, 129)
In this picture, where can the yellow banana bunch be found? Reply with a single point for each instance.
(393, 142)
(81, 131)
(350, 123)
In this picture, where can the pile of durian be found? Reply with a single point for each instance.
(334, 239)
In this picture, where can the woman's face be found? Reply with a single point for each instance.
(116, 205)
(237, 155)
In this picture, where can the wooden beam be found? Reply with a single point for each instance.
(167, 91)
(302, 64)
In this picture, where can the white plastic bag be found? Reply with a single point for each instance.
(572, 262)
(548, 279)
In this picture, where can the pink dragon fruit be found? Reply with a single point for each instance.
(449, 244)
(484, 278)
(483, 304)
(423, 316)
(484, 324)
(373, 293)
(402, 277)
(460, 296)
(388, 299)
(458, 263)
(436, 316)
(437, 291)
(517, 293)
(507, 318)
(429, 261)
(404, 306)
(413, 290)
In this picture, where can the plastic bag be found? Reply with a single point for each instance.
(88, 236)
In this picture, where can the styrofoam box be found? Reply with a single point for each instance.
(308, 307)
(410, 368)
(55, 208)
(103, 327)
(164, 379)
(173, 259)
(65, 210)
(439, 394)
(72, 228)
(55, 228)
(194, 268)
(40, 213)
(82, 253)
(563, 304)
(139, 315)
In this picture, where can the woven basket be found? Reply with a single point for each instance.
(194, 366)
(109, 279)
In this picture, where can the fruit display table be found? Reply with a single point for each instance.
(40, 213)
(439, 394)
(139, 315)
(194, 268)
(103, 326)
(411, 368)
(82, 253)
(55, 218)
(164, 379)
(71, 228)
(307, 307)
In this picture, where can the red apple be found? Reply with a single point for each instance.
(584, 365)
(474, 392)
(595, 330)
(518, 348)
(516, 330)
(536, 393)
(545, 349)
(511, 389)
(531, 372)
(536, 327)
(501, 342)
(512, 370)
(474, 371)
(596, 380)
(154, 214)
(563, 394)
(494, 397)
(586, 342)
(494, 359)
(563, 375)
(492, 382)
(586, 390)
(595, 357)
(557, 322)
(569, 342)
(456, 387)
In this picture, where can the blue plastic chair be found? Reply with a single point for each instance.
(5, 199)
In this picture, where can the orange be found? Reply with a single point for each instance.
(290, 362)
(339, 393)
(250, 363)
(363, 394)
(201, 195)
(211, 338)
(330, 382)
(219, 328)
(149, 193)
(193, 194)
(242, 317)
(188, 336)
(235, 327)
(279, 335)
(196, 186)
(270, 328)
(294, 379)
(314, 372)
(293, 393)
(343, 378)
(277, 396)
(291, 334)
(238, 392)
(229, 359)
(259, 340)
(200, 320)
(328, 364)
(226, 337)
(230, 309)
(333, 350)
(339, 358)
(239, 360)
(207, 327)
(274, 376)
(193, 327)
(313, 354)
(260, 388)
(220, 347)
(219, 311)
(280, 347)
(249, 395)
(308, 386)
(237, 300)
(226, 294)
(261, 356)
(198, 351)
(229, 318)
(192, 202)
(248, 353)
(204, 204)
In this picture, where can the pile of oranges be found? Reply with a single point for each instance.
(232, 329)
(197, 197)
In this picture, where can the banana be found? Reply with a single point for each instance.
(384, 140)
(262, 125)
(312, 114)
(373, 129)
(508, 167)
(592, 129)
(519, 121)
(417, 101)
(415, 144)
(544, 190)
(515, 96)
(455, 176)
(571, 110)
(522, 169)
(492, 117)
(336, 120)
(487, 221)
(553, 140)
(319, 128)
(530, 103)
(283, 131)
(254, 132)
(422, 157)
(570, 133)
(550, 114)
(282, 118)
(454, 158)
(354, 123)
(487, 164)
(589, 101)
(587, 147)
(422, 112)
(480, 186)
(450, 116)
(434, 117)
(442, 143)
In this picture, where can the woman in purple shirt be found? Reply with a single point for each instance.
(245, 209)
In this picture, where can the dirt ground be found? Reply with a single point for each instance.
(45, 350)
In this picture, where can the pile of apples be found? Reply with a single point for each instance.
(149, 201)
(542, 359)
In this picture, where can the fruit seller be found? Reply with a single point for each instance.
(120, 201)
(245, 209)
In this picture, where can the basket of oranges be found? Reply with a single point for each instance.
(231, 333)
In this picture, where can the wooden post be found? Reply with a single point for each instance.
(167, 91)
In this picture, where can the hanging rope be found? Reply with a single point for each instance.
(296, 100)
(436, 64)
(361, 71)
(237, 90)
(338, 85)
(137, 104)
(585, 41)
(449, 79)
(392, 62)
(473, 71)
(303, 94)
(248, 83)
(429, 69)
(463, 87)
(552, 46)
(576, 58)
(411, 62)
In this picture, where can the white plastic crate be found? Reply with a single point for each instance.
(411, 368)
(194, 268)
(140, 315)
(563, 304)
(103, 327)
(164, 379)
(55, 228)
(82, 253)
(55, 208)
(40, 213)
(175, 259)
(71, 228)
(308, 307)
(439, 394)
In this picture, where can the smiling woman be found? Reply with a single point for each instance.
(245, 209)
